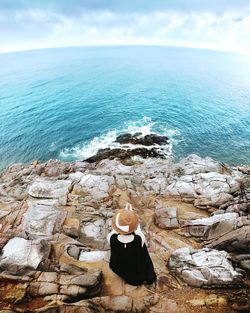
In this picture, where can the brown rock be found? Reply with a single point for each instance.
(166, 218)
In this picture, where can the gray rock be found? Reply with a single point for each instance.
(208, 221)
(23, 254)
(43, 220)
(93, 232)
(111, 167)
(95, 185)
(155, 184)
(194, 164)
(116, 303)
(204, 268)
(50, 189)
(237, 241)
(205, 189)
(213, 227)
(42, 288)
(94, 256)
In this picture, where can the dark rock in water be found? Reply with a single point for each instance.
(138, 139)
(123, 154)
(135, 139)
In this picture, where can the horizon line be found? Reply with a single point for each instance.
(124, 45)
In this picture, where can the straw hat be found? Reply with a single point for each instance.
(125, 221)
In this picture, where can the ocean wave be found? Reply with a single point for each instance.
(145, 126)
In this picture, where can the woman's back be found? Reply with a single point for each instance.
(130, 259)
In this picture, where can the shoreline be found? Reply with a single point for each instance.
(54, 218)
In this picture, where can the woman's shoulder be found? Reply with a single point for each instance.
(139, 236)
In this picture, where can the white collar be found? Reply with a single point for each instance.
(125, 238)
(137, 232)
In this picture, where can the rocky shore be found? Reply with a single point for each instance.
(54, 218)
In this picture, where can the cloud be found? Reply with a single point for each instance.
(31, 28)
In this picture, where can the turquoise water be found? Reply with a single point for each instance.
(67, 103)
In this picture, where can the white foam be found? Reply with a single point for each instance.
(145, 126)
(52, 146)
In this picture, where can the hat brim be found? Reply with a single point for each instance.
(120, 231)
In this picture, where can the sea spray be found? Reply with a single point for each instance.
(145, 126)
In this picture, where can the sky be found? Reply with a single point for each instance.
(210, 24)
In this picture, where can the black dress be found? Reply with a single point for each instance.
(131, 261)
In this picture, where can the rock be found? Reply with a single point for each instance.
(76, 177)
(208, 221)
(14, 294)
(237, 241)
(50, 189)
(94, 256)
(212, 227)
(74, 251)
(44, 284)
(148, 146)
(120, 304)
(72, 269)
(124, 154)
(95, 185)
(37, 289)
(43, 220)
(94, 231)
(84, 280)
(181, 189)
(239, 204)
(69, 207)
(155, 184)
(138, 138)
(245, 265)
(20, 253)
(240, 208)
(56, 168)
(204, 268)
(111, 167)
(166, 218)
(206, 189)
(243, 261)
(194, 164)
(209, 300)
(244, 169)
(73, 290)
(72, 228)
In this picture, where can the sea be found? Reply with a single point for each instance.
(67, 103)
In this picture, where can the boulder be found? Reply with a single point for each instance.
(166, 218)
(50, 189)
(205, 189)
(139, 139)
(94, 256)
(237, 241)
(93, 232)
(19, 254)
(42, 219)
(194, 164)
(124, 154)
(95, 185)
(204, 268)
(210, 228)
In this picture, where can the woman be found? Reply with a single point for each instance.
(129, 255)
